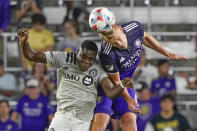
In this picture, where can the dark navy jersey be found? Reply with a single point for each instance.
(125, 61)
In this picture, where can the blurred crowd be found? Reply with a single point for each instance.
(155, 85)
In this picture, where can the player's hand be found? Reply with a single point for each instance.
(174, 56)
(133, 106)
(23, 35)
(127, 82)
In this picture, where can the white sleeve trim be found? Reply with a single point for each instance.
(47, 56)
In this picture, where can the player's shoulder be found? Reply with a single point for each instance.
(106, 50)
(132, 24)
(133, 27)
(96, 67)
(66, 57)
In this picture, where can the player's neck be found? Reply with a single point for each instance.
(167, 114)
(4, 118)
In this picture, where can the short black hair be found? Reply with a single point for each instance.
(167, 96)
(161, 62)
(38, 18)
(90, 45)
(4, 101)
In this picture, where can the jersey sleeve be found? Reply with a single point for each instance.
(140, 28)
(134, 27)
(102, 74)
(55, 58)
(108, 63)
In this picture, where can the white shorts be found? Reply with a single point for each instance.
(67, 122)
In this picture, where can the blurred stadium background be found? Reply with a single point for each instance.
(172, 22)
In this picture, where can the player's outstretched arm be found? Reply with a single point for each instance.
(28, 52)
(114, 91)
(152, 43)
(132, 103)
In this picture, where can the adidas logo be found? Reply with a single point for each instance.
(122, 59)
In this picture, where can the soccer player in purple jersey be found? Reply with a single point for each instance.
(119, 56)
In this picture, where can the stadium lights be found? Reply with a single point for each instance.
(147, 2)
(176, 2)
(89, 2)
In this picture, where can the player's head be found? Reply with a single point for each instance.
(33, 89)
(4, 108)
(167, 103)
(102, 20)
(86, 55)
(1, 67)
(163, 66)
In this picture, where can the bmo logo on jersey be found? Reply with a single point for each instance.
(87, 80)
(71, 76)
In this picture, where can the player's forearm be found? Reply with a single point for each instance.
(31, 54)
(111, 90)
(114, 92)
(125, 95)
(152, 43)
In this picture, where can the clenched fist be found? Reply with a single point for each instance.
(23, 35)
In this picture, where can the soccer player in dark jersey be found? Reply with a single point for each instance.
(119, 56)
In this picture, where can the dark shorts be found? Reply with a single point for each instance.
(115, 108)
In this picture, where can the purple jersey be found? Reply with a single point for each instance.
(8, 125)
(149, 109)
(34, 113)
(163, 85)
(123, 61)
